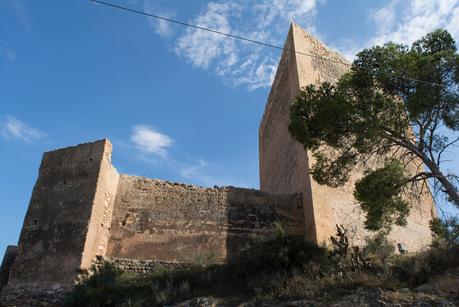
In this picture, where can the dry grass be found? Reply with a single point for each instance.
(279, 269)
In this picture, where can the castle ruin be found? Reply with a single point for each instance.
(81, 208)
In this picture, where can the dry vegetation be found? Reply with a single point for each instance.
(277, 269)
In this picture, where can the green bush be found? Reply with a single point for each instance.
(446, 232)
(103, 288)
(378, 248)
(417, 269)
(267, 270)
(252, 272)
(279, 254)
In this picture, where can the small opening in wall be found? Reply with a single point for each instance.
(90, 159)
(35, 222)
(123, 222)
(65, 182)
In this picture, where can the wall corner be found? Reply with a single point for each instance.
(102, 209)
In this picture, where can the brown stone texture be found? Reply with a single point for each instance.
(163, 221)
(8, 259)
(284, 163)
(66, 221)
(81, 208)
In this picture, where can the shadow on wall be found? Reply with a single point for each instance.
(171, 222)
(252, 213)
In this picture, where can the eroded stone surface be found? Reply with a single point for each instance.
(159, 220)
(8, 259)
(284, 164)
(81, 208)
(64, 224)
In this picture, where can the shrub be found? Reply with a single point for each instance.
(445, 231)
(279, 253)
(378, 248)
(267, 270)
(102, 288)
(262, 266)
(418, 268)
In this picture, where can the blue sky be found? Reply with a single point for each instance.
(177, 104)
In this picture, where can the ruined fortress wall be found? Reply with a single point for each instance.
(81, 208)
(57, 220)
(284, 164)
(163, 221)
(8, 260)
(102, 210)
(62, 227)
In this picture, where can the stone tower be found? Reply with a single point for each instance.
(68, 220)
(82, 209)
(284, 164)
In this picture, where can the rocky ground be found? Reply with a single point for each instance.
(374, 297)
(442, 290)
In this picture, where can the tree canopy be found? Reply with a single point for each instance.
(397, 103)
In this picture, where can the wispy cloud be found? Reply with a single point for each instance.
(150, 141)
(155, 148)
(162, 27)
(13, 128)
(405, 22)
(237, 62)
(6, 51)
(196, 172)
(415, 19)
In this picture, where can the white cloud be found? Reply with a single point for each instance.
(162, 27)
(405, 22)
(13, 128)
(240, 63)
(196, 172)
(201, 48)
(416, 18)
(149, 141)
(385, 16)
(6, 51)
(153, 149)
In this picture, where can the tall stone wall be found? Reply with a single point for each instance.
(5, 267)
(163, 221)
(284, 164)
(64, 225)
(282, 160)
(81, 208)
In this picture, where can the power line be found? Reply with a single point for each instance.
(244, 38)
(216, 32)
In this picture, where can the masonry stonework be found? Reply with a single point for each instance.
(81, 208)
(284, 164)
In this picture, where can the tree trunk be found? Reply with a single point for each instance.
(450, 189)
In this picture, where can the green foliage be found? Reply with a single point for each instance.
(377, 109)
(278, 254)
(265, 258)
(285, 276)
(445, 231)
(100, 289)
(379, 196)
(378, 248)
(109, 286)
(417, 269)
